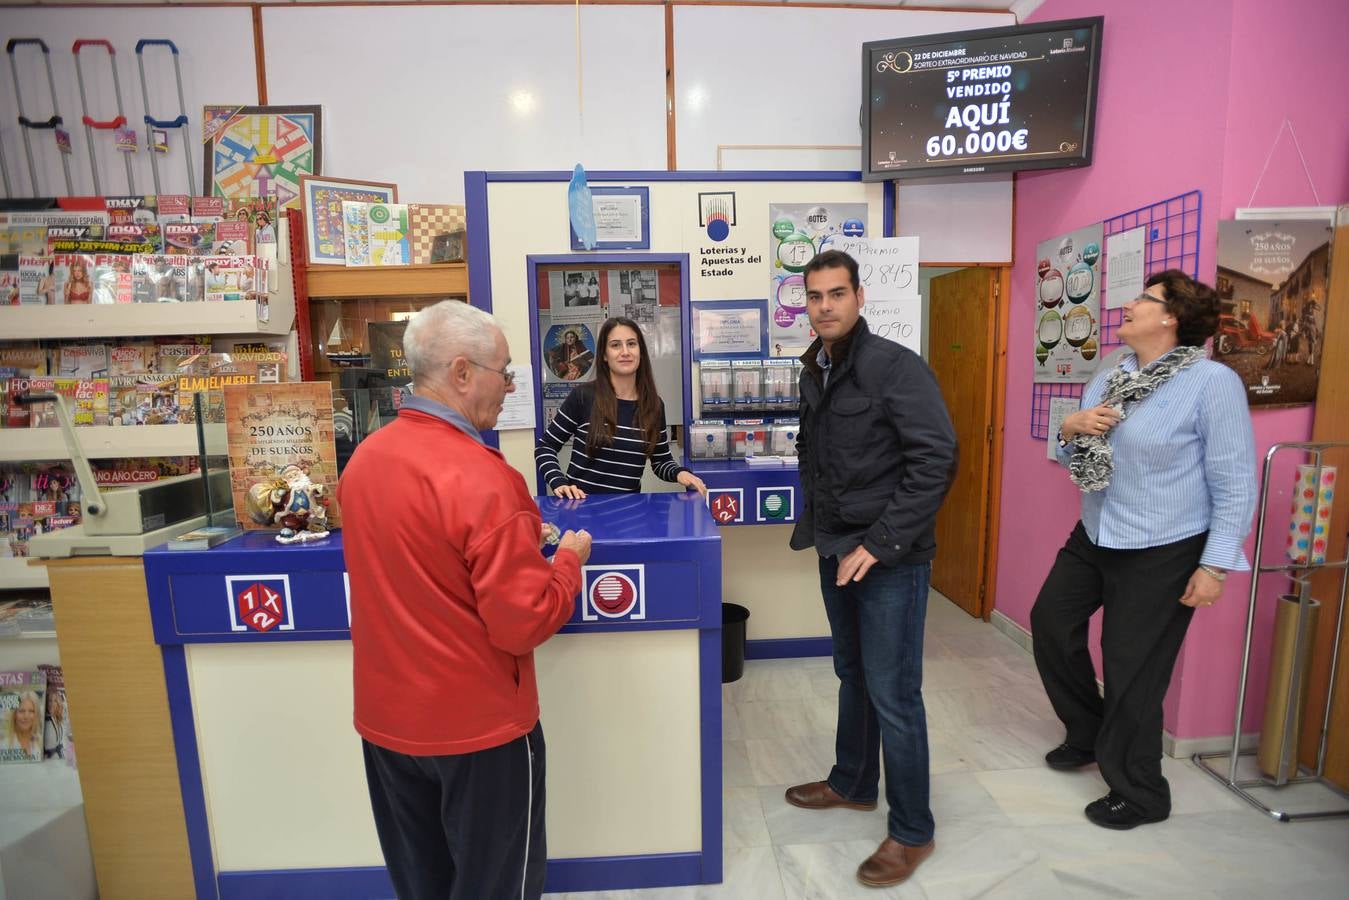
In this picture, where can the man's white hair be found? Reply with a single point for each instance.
(450, 328)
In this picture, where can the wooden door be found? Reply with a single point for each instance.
(1332, 424)
(962, 322)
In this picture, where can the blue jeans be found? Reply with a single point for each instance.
(877, 626)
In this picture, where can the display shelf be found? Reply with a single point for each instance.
(16, 573)
(448, 279)
(142, 320)
(736, 467)
(30, 635)
(106, 320)
(109, 442)
(364, 284)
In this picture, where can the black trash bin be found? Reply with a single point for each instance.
(733, 621)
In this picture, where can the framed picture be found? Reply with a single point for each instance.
(254, 151)
(622, 218)
(321, 200)
(730, 329)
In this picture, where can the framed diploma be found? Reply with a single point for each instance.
(730, 329)
(622, 218)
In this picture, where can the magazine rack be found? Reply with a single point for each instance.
(1301, 576)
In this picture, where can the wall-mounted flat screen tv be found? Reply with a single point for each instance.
(992, 100)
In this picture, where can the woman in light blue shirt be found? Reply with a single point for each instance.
(1163, 452)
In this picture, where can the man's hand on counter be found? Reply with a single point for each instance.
(577, 542)
(569, 492)
(548, 534)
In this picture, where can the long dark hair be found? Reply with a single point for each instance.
(604, 410)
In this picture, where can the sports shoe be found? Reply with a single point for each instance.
(1113, 811)
(1065, 757)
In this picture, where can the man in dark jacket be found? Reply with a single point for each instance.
(877, 454)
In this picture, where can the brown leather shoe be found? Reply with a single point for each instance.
(892, 863)
(819, 795)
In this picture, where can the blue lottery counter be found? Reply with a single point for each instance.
(257, 662)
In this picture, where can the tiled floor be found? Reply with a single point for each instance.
(1006, 825)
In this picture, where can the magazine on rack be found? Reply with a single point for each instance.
(23, 697)
(57, 742)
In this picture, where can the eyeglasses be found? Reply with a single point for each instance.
(504, 373)
(1151, 299)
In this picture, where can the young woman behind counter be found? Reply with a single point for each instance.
(616, 423)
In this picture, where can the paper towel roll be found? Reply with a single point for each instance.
(1308, 528)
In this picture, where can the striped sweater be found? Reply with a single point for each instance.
(614, 469)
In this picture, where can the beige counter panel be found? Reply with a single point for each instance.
(285, 783)
(779, 586)
(280, 762)
(620, 715)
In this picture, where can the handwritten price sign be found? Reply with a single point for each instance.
(887, 267)
(888, 270)
(900, 321)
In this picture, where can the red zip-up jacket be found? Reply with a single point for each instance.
(449, 593)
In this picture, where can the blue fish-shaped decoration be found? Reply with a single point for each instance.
(581, 208)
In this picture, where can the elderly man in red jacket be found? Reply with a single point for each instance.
(449, 597)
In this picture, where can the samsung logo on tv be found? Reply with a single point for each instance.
(970, 169)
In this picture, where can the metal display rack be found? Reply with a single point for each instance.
(1301, 576)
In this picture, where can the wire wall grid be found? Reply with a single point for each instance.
(1172, 242)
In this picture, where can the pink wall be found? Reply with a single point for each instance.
(1191, 96)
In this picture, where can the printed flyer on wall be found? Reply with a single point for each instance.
(798, 232)
(279, 436)
(1068, 306)
(1273, 283)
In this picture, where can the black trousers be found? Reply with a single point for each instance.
(1142, 630)
(463, 827)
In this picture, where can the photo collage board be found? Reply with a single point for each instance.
(574, 302)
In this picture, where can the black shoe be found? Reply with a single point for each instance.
(1066, 756)
(1113, 811)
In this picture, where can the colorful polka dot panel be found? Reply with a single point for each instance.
(1307, 529)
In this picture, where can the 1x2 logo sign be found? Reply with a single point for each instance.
(260, 603)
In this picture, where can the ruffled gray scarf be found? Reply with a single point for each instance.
(1093, 459)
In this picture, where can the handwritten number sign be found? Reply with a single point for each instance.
(888, 270)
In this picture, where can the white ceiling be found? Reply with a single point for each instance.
(1021, 8)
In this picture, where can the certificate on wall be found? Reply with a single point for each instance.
(517, 411)
(1060, 408)
(1124, 264)
(729, 328)
(274, 431)
(622, 218)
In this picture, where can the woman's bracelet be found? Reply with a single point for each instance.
(1216, 574)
